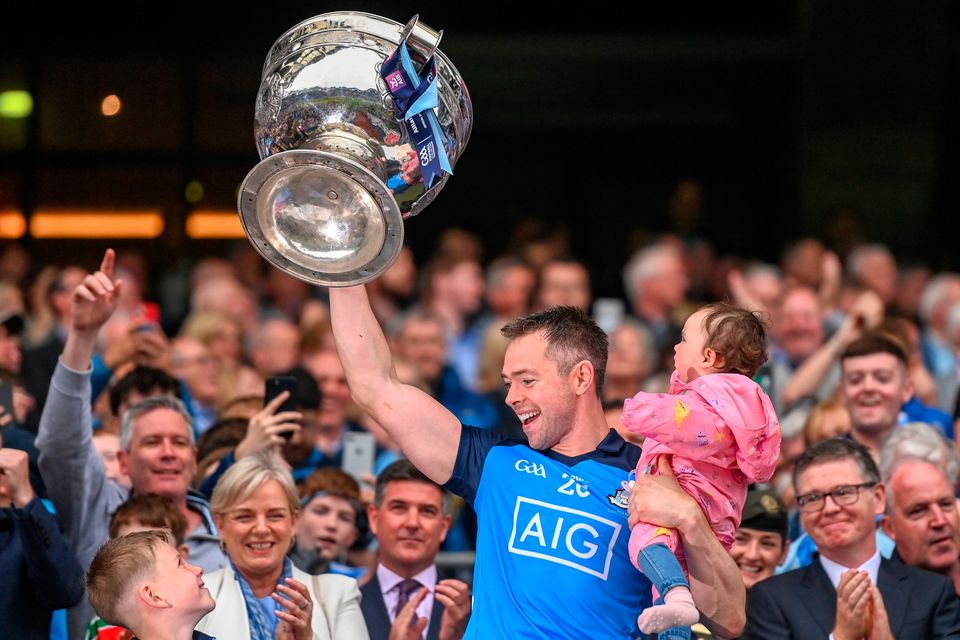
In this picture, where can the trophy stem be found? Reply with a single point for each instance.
(349, 141)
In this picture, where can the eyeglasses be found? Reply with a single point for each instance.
(843, 495)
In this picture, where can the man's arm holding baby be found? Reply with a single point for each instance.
(715, 581)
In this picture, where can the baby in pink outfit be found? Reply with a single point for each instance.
(722, 433)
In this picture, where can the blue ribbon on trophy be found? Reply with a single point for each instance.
(415, 99)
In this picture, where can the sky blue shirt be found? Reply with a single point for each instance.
(552, 558)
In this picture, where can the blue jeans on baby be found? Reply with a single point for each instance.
(664, 571)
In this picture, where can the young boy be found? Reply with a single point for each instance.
(140, 581)
(140, 513)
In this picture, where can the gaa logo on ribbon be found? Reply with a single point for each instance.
(566, 536)
(427, 154)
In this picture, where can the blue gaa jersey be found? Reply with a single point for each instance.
(552, 539)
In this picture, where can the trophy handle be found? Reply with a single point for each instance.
(409, 27)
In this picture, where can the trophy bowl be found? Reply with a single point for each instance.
(339, 172)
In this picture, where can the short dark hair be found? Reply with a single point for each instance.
(572, 336)
(836, 449)
(150, 510)
(874, 342)
(225, 432)
(737, 335)
(144, 380)
(405, 470)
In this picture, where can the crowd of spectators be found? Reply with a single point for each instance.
(859, 345)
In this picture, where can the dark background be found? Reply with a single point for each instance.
(785, 112)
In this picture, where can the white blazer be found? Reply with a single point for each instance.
(336, 616)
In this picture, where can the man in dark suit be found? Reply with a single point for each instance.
(848, 592)
(410, 516)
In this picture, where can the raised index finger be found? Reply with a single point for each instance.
(107, 265)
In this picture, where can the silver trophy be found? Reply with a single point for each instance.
(339, 172)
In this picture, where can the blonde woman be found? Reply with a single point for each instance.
(260, 595)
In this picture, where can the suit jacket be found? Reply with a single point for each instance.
(378, 619)
(338, 618)
(802, 604)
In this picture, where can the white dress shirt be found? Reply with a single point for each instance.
(835, 570)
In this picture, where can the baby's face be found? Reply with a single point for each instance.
(689, 357)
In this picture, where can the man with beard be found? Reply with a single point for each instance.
(552, 514)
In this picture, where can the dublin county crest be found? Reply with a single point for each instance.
(619, 499)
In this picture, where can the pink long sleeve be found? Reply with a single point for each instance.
(723, 419)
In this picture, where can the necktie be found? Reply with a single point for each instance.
(405, 589)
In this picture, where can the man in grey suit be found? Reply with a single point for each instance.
(410, 516)
(849, 592)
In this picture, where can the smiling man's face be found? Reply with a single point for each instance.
(841, 531)
(874, 388)
(162, 458)
(543, 398)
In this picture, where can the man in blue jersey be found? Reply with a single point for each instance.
(552, 515)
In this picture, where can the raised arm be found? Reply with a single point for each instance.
(69, 463)
(867, 314)
(427, 433)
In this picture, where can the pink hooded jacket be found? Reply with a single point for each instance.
(723, 434)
